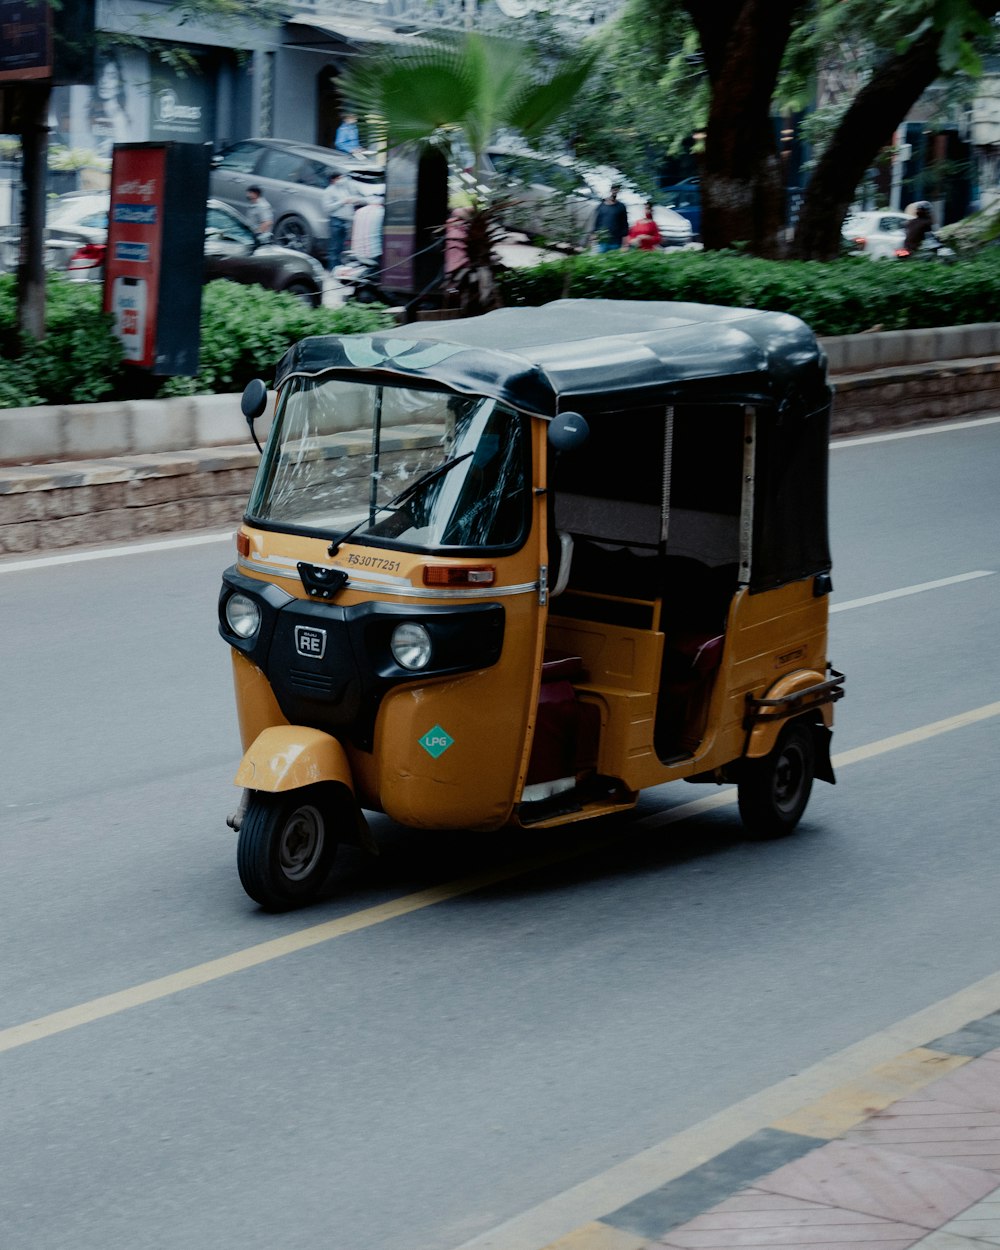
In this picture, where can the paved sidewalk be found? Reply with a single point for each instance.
(907, 1156)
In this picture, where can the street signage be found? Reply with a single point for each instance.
(155, 254)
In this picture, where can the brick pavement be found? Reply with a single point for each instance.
(908, 1156)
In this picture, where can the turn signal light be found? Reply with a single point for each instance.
(242, 543)
(459, 575)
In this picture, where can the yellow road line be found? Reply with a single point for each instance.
(913, 736)
(303, 939)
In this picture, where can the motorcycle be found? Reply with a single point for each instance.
(360, 275)
(932, 249)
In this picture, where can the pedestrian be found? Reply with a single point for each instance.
(644, 233)
(260, 214)
(366, 231)
(610, 222)
(920, 225)
(340, 198)
(347, 139)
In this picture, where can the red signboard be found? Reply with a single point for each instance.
(132, 264)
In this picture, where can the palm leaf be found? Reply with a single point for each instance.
(541, 104)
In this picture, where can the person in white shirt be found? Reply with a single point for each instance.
(260, 214)
(366, 231)
(340, 199)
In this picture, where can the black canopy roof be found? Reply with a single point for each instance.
(581, 353)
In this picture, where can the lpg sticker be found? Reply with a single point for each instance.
(435, 741)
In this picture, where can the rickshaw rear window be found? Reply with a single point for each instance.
(341, 452)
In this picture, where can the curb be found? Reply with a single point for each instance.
(759, 1184)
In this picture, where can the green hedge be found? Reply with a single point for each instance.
(841, 297)
(244, 331)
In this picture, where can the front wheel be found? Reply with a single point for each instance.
(286, 846)
(774, 791)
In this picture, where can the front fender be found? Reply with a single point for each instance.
(764, 733)
(287, 757)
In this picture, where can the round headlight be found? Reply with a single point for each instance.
(242, 615)
(411, 646)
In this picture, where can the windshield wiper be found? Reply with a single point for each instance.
(406, 493)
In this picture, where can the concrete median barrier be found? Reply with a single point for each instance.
(90, 473)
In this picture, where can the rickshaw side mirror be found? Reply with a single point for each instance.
(253, 403)
(568, 431)
(254, 400)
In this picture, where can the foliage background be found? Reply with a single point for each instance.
(244, 331)
(848, 296)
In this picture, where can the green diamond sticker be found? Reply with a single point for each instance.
(435, 741)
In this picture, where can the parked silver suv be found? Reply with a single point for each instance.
(292, 177)
(556, 198)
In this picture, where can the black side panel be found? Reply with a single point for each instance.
(790, 537)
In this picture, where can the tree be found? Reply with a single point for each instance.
(743, 43)
(759, 57)
(940, 44)
(457, 94)
(646, 96)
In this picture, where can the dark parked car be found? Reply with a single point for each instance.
(76, 240)
(684, 197)
(292, 178)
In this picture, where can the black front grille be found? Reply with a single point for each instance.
(317, 683)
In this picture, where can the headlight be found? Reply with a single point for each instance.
(411, 646)
(242, 615)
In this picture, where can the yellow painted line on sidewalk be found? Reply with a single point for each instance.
(598, 1236)
(315, 935)
(848, 1105)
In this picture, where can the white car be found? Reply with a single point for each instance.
(876, 233)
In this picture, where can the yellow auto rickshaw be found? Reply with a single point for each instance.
(517, 568)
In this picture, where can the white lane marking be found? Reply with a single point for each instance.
(945, 428)
(910, 590)
(314, 935)
(109, 553)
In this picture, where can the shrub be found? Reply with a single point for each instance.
(244, 331)
(78, 361)
(842, 297)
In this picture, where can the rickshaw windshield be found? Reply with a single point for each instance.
(396, 466)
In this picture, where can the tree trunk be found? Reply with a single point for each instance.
(742, 184)
(867, 126)
(31, 269)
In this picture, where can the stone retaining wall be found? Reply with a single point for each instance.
(101, 472)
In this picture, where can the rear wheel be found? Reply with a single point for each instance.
(293, 232)
(774, 791)
(304, 292)
(286, 846)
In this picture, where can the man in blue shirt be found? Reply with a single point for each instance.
(347, 139)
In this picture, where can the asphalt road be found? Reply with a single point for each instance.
(432, 1069)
